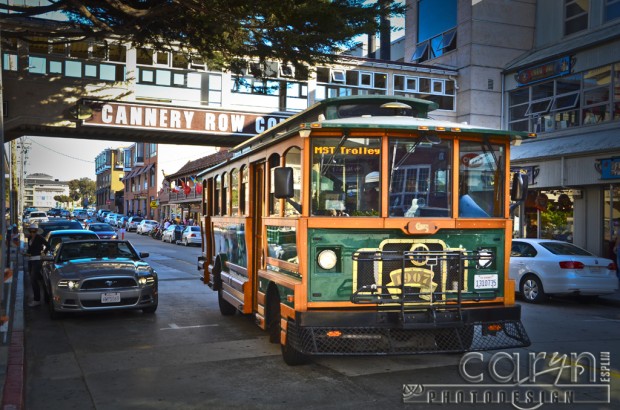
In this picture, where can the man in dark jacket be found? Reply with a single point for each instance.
(36, 246)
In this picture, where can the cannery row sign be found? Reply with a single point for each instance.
(167, 118)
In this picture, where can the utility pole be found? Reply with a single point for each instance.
(15, 180)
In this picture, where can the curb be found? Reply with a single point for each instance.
(13, 395)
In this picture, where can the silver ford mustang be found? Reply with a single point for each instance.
(95, 274)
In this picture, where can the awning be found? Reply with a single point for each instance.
(560, 146)
(133, 173)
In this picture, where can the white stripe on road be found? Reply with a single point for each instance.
(174, 326)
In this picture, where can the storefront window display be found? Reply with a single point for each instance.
(611, 214)
(549, 214)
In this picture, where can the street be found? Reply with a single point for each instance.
(188, 356)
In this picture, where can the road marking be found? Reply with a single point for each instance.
(174, 326)
(601, 319)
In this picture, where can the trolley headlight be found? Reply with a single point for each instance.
(327, 259)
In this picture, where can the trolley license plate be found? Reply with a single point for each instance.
(485, 281)
(110, 297)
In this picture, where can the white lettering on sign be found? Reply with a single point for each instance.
(135, 116)
(236, 122)
(189, 116)
(106, 114)
(116, 114)
(209, 122)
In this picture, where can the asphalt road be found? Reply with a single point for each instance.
(188, 356)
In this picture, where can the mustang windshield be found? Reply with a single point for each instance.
(98, 249)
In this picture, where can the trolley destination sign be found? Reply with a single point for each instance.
(171, 118)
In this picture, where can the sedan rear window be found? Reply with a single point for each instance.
(560, 248)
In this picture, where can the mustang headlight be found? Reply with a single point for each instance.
(146, 280)
(69, 284)
(327, 259)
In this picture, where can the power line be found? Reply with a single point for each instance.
(61, 153)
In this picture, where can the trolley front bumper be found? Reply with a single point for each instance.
(372, 332)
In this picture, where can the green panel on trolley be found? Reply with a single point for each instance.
(479, 280)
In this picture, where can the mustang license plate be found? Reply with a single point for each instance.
(485, 282)
(110, 297)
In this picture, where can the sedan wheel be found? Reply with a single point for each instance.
(532, 290)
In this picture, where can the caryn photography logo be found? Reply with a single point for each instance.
(525, 381)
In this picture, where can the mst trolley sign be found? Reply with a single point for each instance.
(361, 226)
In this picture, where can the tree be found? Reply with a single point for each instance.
(64, 199)
(82, 189)
(300, 32)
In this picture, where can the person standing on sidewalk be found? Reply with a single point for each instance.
(36, 245)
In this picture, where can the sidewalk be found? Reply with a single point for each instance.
(12, 361)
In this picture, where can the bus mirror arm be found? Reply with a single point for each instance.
(294, 204)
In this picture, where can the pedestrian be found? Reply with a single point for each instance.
(36, 246)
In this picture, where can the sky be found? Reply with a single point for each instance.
(67, 158)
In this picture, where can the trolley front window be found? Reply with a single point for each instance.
(420, 177)
(346, 176)
(481, 176)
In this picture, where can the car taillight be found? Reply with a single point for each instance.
(612, 266)
(571, 265)
(192, 235)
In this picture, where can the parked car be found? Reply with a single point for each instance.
(172, 234)
(55, 212)
(65, 213)
(57, 224)
(54, 238)
(36, 217)
(103, 230)
(191, 235)
(101, 216)
(111, 218)
(79, 276)
(132, 223)
(145, 226)
(543, 267)
(81, 215)
(122, 222)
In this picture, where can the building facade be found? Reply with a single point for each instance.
(40, 190)
(567, 90)
(109, 184)
(140, 179)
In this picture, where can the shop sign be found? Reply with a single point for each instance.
(153, 204)
(610, 168)
(170, 118)
(541, 72)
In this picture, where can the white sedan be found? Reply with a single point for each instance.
(544, 267)
(191, 236)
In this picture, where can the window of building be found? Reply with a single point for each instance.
(144, 56)
(575, 16)
(436, 29)
(580, 99)
(612, 10)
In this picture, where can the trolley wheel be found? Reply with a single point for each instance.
(273, 323)
(226, 309)
(291, 356)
